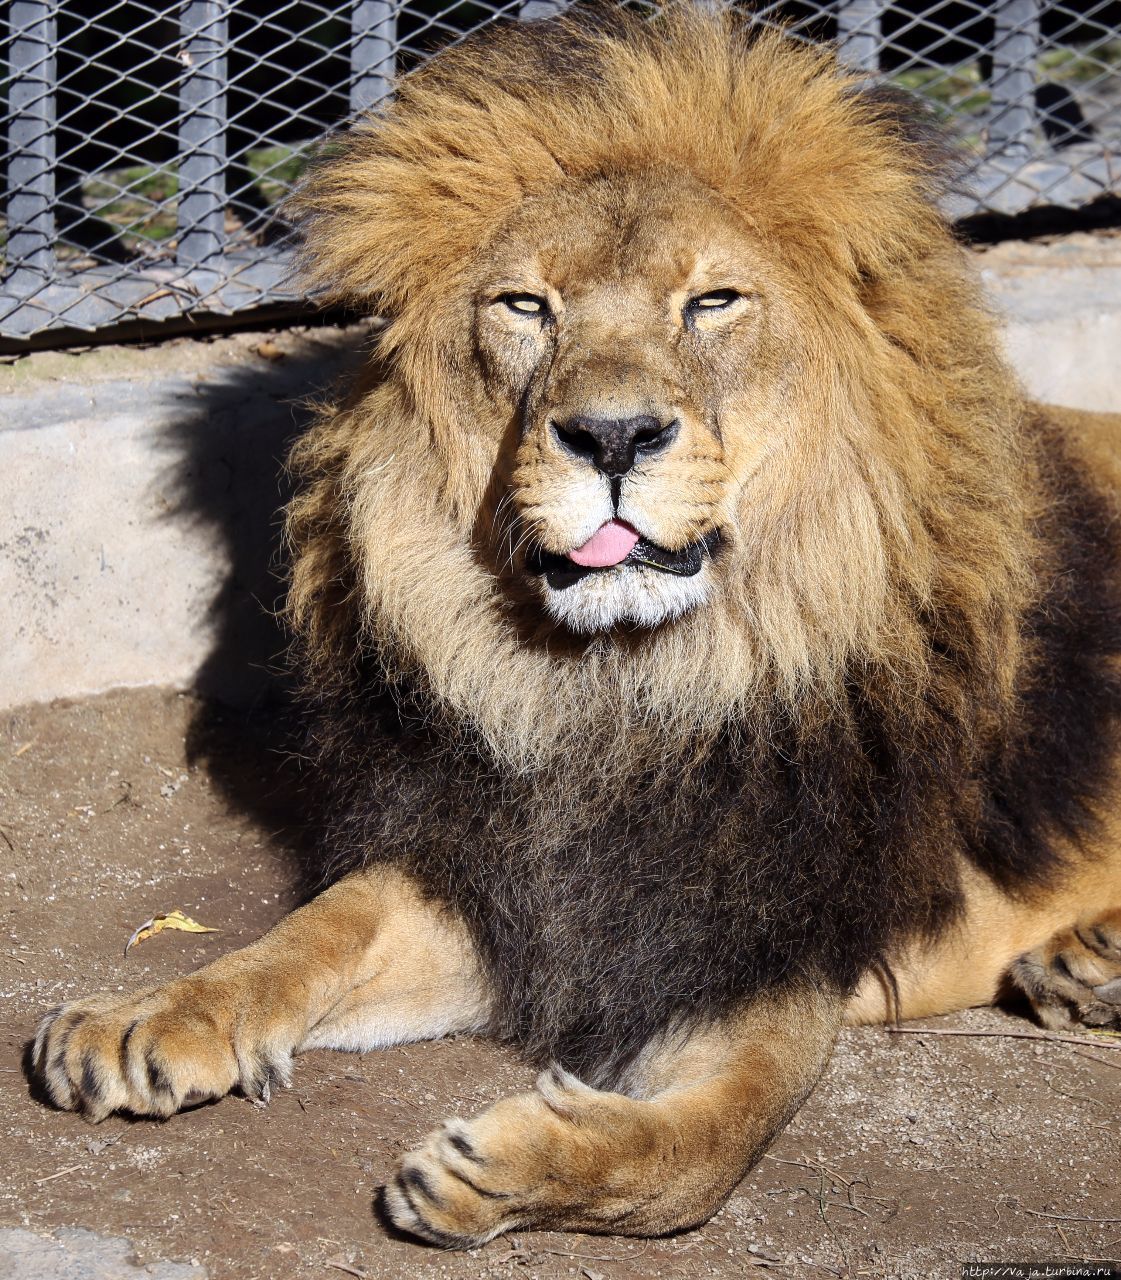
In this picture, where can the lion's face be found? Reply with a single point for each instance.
(637, 339)
(675, 327)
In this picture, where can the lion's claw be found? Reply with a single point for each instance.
(1076, 978)
(150, 1053)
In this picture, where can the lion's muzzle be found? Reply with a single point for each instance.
(615, 444)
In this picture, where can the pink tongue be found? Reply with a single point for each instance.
(610, 544)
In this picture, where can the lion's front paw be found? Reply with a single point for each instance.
(553, 1158)
(1076, 977)
(154, 1052)
(450, 1193)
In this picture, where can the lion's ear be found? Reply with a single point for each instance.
(391, 212)
(922, 140)
(331, 219)
(346, 210)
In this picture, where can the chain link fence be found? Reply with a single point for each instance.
(147, 145)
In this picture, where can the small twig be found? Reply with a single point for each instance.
(838, 1180)
(339, 1265)
(1077, 1097)
(60, 1174)
(1094, 1058)
(850, 1184)
(126, 797)
(815, 1169)
(825, 1176)
(1063, 1237)
(850, 1191)
(1067, 1217)
(596, 1257)
(822, 1192)
(153, 297)
(1007, 1035)
(1058, 1217)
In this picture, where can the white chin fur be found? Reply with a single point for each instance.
(629, 593)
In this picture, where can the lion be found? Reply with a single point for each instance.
(704, 642)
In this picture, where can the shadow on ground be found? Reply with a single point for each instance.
(225, 458)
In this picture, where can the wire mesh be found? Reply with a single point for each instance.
(147, 145)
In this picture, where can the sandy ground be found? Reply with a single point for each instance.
(916, 1153)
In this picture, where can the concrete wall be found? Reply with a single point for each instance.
(1061, 304)
(139, 491)
(139, 487)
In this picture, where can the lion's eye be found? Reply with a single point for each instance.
(525, 304)
(717, 300)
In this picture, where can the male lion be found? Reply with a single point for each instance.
(704, 642)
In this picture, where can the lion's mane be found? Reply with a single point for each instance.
(916, 664)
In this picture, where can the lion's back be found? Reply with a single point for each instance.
(1095, 438)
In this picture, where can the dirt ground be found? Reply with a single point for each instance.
(916, 1153)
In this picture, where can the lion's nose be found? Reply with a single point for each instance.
(614, 444)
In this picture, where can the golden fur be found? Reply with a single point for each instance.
(668, 830)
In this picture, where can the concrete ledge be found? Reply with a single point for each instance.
(140, 490)
(138, 517)
(1061, 306)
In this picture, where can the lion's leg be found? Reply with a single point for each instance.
(368, 963)
(662, 1157)
(1060, 947)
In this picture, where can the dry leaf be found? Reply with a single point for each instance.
(269, 350)
(166, 920)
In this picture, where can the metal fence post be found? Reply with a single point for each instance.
(31, 142)
(532, 10)
(373, 44)
(858, 33)
(1015, 47)
(202, 132)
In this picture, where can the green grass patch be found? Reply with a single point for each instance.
(951, 91)
(1078, 66)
